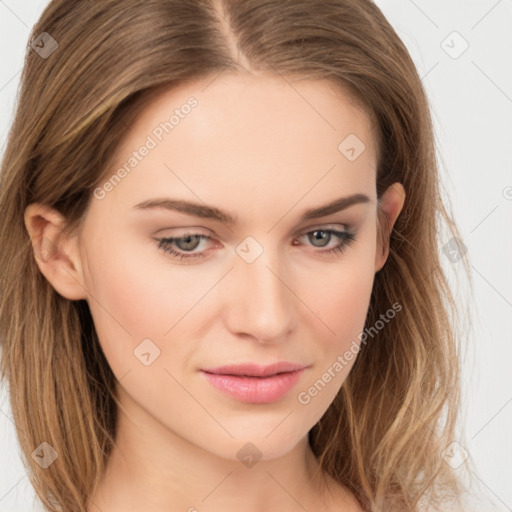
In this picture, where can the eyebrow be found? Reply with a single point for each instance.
(211, 212)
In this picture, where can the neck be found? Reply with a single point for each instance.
(157, 470)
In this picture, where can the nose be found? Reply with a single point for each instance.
(261, 303)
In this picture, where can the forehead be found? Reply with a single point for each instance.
(248, 140)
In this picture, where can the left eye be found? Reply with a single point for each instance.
(189, 242)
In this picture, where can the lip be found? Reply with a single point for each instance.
(255, 370)
(253, 383)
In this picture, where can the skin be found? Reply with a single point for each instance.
(264, 151)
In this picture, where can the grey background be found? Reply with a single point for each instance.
(471, 101)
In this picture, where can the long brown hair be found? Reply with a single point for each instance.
(385, 433)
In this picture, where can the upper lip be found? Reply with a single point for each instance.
(255, 370)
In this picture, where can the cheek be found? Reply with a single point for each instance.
(342, 305)
(340, 298)
(125, 304)
(349, 307)
(136, 295)
(133, 285)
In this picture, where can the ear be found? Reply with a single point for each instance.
(55, 254)
(390, 205)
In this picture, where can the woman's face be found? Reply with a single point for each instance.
(234, 167)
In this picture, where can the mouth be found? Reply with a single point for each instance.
(255, 384)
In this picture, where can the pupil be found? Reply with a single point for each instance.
(324, 235)
(187, 240)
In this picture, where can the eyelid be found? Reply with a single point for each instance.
(193, 230)
(347, 236)
(186, 231)
(328, 225)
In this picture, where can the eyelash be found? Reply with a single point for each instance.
(347, 238)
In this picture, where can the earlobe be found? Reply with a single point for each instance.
(55, 254)
(391, 202)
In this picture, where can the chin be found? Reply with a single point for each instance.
(256, 445)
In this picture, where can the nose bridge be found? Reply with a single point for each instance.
(262, 305)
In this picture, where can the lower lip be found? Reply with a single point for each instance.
(255, 390)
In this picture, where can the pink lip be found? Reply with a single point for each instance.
(253, 383)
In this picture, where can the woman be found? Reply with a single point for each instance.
(221, 283)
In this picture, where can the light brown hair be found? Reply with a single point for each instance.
(384, 434)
